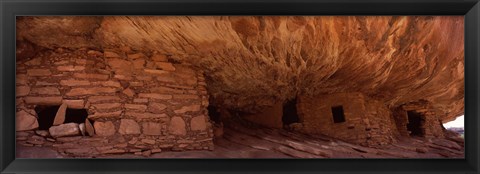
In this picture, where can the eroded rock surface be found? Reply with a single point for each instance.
(251, 62)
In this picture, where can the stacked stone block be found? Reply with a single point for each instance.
(141, 98)
(432, 125)
(367, 122)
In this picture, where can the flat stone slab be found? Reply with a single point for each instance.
(60, 116)
(89, 128)
(44, 100)
(128, 126)
(69, 129)
(104, 128)
(25, 121)
(81, 126)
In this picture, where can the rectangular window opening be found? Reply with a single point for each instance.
(338, 115)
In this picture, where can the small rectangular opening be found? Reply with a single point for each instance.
(46, 115)
(338, 115)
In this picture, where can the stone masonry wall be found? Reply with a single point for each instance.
(135, 101)
(367, 122)
(432, 125)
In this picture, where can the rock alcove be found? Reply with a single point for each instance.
(145, 84)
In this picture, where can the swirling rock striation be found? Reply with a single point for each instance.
(252, 62)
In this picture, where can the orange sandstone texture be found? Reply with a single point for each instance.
(152, 73)
(252, 62)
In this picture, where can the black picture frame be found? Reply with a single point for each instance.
(10, 8)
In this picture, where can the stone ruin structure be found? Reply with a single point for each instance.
(418, 118)
(144, 85)
(136, 101)
(353, 117)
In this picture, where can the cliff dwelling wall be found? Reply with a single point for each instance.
(429, 123)
(135, 101)
(251, 65)
(126, 84)
(351, 117)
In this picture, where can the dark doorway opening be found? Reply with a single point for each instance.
(213, 113)
(415, 122)
(46, 115)
(338, 114)
(290, 114)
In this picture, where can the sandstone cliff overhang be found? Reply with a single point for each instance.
(252, 62)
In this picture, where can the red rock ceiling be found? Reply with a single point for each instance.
(251, 62)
